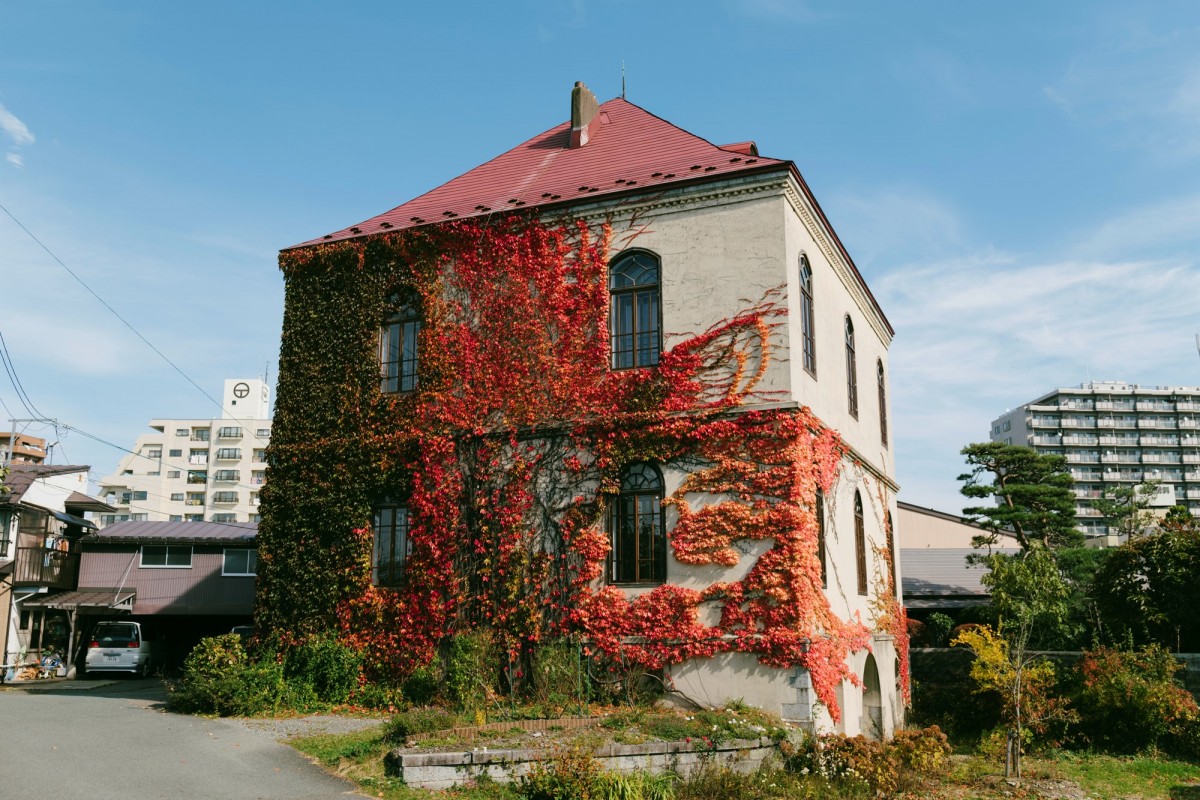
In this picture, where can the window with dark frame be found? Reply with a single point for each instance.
(860, 544)
(392, 545)
(398, 345)
(851, 370)
(239, 561)
(891, 546)
(635, 525)
(635, 310)
(882, 378)
(807, 329)
(166, 555)
(820, 512)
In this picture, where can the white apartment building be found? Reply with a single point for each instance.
(1115, 434)
(197, 470)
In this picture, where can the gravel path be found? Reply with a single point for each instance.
(290, 728)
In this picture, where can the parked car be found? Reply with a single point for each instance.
(123, 646)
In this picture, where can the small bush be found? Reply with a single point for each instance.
(469, 676)
(937, 629)
(1129, 702)
(424, 685)
(859, 764)
(326, 665)
(219, 678)
(556, 679)
(569, 774)
(419, 720)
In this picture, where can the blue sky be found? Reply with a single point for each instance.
(1018, 182)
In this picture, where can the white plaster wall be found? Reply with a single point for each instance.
(52, 491)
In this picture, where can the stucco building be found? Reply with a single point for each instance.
(701, 232)
(196, 470)
(1115, 434)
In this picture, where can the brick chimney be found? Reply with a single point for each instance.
(585, 115)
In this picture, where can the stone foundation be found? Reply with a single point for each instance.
(444, 770)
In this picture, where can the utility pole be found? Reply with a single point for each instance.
(12, 436)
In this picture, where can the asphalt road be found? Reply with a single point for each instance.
(117, 741)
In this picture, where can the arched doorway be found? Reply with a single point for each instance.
(871, 723)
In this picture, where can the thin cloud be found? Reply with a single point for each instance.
(15, 159)
(16, 130)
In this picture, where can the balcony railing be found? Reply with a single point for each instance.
(50, 568)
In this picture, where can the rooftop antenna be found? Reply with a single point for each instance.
(623, 97)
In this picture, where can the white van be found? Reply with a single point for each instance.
(120, 646)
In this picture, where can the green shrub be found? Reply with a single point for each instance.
(419, 720)
(556, 675)
(635, 786)
(856, 764)
(326, 665)
(424, 685)
(219, 678)
(469, 673)
(1129, 701)
(937, 629)
(569, 774)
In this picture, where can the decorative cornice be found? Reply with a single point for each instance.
(834, 256)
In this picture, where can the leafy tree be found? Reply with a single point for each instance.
(1078, 567)
(1030, 597)
(1032, 492)
(1124, 508)
(1148, 589)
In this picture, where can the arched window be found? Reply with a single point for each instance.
(882, 401)
(860, 544)
(634, 315)
(807, 329)
(891, 546)
(820, 510)
(392, 545)
(851, 370)
(639, 543)
(398, 345)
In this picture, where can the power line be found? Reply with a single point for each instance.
(112, 310)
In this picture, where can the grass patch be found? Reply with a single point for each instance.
(1127, 776)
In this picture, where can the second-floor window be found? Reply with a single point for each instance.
(807, 330)
(634, 310)
(166, 556)
(635, 526)
(851, 370)
(392, 545)
(860, 544)
(881, 377)
(820, 512)
(398, 346)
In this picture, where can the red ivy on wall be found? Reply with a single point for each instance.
(509, 452)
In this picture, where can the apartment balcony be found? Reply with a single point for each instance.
(1047, 422)
(225, 498)
(1159, 406)
(37, 566)
(1162, 423)
(1152, 439)
(197, 459)
(1076, 405)
(1088, 494)
(1035, 407)
(1119, 458)
(1192, 476)
(1191, 458)
(1193, 494)
(1077, 440)
(229, 454)
(1087, 511)
(1186, 405)
(229, 433)
(1189, 423)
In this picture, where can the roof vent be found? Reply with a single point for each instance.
(745, 148)
(585, 115)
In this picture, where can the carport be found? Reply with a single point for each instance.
(76, 603)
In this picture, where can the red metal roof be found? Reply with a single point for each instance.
(632, 151)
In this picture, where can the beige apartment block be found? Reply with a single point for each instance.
(197, 470)
(1115, 434)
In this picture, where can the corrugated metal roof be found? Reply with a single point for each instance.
(199, 532)
(633, 151)
(930, 572)
(87, 503)
(85, 598)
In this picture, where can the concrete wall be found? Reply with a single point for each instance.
(445, 770)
